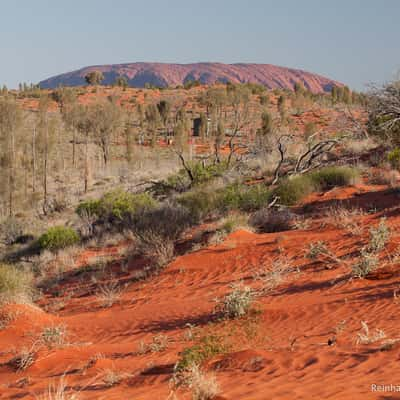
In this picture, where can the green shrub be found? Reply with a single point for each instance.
(200, 203)
(58, 237)
(116, 205)
(242, 197)
(208, 347)
(88, 207)
(394, 158)
(15, 285)
(292, 190)
(236, 303)
(328, 177)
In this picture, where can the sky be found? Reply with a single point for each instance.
(352, 41)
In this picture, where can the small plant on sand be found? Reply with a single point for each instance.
(367, 263)
(379, 236)
(23, 360)
(203, 385)
(272, 277)
(345, 218)
(270, 220)
(365, 336)
(112, 377)
(236, 303)
(159, 344)
(316, 249)
(108, 294)
(58, 237)
(207, 347)
(58, 392)
(16, 285)
(54, 336)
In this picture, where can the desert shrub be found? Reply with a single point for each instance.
(204, 386)
(200, 203)
(201, 174)
(378, 236)
(233, 222)
(116, 205)
(208, 347)
(157, 229)
(88, 207)
(236, 303)
(328, 177)
(168, 220)
(270, 220)
(15, 285)
(394, 158)
(242, 197)
(11, 230)
(292, 190)
(58, 237)
(368, 262)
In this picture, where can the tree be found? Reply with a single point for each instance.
(384, 112)
(104, 119)
(153, 120)
(94, 78)
(164, 109)
(10, 122)
(282, 107)
(121, 81)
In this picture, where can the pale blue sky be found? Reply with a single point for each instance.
(353, 41)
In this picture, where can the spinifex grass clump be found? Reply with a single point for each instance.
(16, 285)
(58, 237)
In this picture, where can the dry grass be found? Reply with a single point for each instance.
(345, 218)
(109, 294)
(365, 336)
(58, 392)
(204, 386)
(23, 360)
(54, 336)
(271, 276)
(112, 376)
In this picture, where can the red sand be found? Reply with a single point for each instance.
(283, 354)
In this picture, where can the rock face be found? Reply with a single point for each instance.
(162, 74)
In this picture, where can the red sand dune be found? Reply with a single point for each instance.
(281, 353)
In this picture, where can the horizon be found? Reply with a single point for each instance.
(335, 41)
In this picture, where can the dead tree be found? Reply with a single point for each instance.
(311, 158)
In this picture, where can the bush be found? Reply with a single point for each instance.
(328, 177)
(199, 202)
(58, 237)
(15, 285)
(116, 205)
(208, 347)
(237, 303)
(269, 220)
(11, 230)
(158, 229)
(394, 158)
(89, 207)
(292, 190)
(242, 197)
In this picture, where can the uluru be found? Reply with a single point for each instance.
(141, 74)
